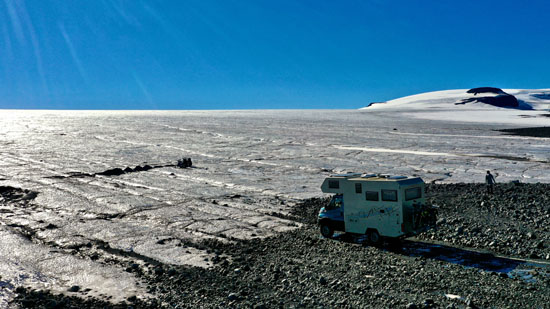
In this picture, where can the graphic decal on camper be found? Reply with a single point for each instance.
(374, 212)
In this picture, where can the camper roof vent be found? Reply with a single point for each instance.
(398, 177)
(346, 175)
(368, 175)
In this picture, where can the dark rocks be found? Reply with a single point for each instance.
(185, 163)
(112, 172)
(30, 196)
(12, 194)
(501, 100)
(543, 95)
(372, 103)
(475, 91)
(52, 304)
(45, 299)
(74, 288)
(118, 171)
(470, 304)
(508, 222)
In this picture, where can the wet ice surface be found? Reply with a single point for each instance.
(249, 168)
(25, 263)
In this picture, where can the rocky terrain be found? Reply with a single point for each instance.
(302, 269)
(513, 221)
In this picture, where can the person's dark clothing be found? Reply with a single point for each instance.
(490, 181)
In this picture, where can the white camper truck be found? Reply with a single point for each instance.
(376, 205)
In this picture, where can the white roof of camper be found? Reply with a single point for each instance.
(374, 177)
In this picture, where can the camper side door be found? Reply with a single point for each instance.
(357, 209)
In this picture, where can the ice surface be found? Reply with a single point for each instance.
(25, 263)
(249, 168)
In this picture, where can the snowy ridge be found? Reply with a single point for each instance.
(533, 106)
(537, 99)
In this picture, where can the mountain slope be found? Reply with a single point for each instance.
(528, 99)
(517, 107)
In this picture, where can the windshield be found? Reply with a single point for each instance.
(336, 202)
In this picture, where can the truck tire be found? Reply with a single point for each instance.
(373, 237)
(326, 230)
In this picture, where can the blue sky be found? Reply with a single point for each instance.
(138, 54)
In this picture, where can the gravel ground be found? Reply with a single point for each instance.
(302, 269)
(513, 221)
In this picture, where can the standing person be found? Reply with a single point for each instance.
(490, 181)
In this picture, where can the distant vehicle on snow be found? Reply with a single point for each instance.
(378, 206)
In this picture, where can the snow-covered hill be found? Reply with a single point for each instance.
(528, 107)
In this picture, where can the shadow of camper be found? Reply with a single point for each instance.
(509, 267)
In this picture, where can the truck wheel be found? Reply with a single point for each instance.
(373, 237)
(326, 230)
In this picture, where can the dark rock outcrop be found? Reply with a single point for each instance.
(372, 103)
(501, 100)
(184, 163)
(112, 172)
(535, 132)
(475, 91)
(543, 95)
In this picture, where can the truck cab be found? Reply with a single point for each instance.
(333, 216)
(379, 206)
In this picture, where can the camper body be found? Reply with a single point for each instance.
(376, 205)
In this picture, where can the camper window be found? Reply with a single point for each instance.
(389, 195)
(371, 195)
(413, 193)
(358, 188)
(334, 184)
